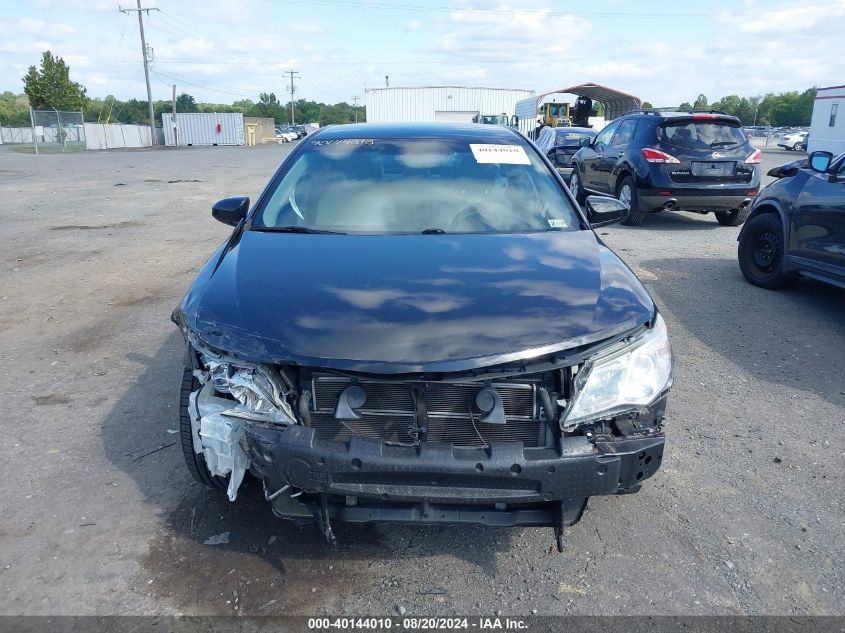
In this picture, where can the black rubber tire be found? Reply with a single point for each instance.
(635, 214)
(761, 229)
(734, 217)
(578, 193)
(196, 463)
(797, 146)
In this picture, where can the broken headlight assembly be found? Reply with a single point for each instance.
(625, 379)
(261, 391)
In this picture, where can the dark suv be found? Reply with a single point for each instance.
(686, 161)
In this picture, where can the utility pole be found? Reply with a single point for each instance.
(355, 107)
(175, 130)
(146, 61)
(293, 75)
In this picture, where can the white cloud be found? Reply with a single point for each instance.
(534, 44)
(307, 27)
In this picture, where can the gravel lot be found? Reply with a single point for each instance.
(100, 516)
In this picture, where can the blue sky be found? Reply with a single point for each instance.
(221, 50)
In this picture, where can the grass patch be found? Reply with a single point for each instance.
(70, 148)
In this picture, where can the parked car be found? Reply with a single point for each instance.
(797, 225)
(285, 135)
(560, 144)
(416, 323)
(795, 141)
(656, 161)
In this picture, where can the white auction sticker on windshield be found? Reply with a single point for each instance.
(501, 154)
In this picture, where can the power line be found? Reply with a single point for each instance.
(177, 22)
(161, 74)
(111, 73)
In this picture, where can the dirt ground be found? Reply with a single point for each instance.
(98, 514)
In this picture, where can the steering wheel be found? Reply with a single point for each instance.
(477, 209)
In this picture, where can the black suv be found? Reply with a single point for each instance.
(656, 161)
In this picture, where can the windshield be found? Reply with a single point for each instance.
(414, 186)
(491, 119)
(701, 134)
(571, 137)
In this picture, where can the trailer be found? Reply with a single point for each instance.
(556, 112)
(203, 128)
(447, 104)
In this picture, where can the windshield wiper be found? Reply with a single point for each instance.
(434, 231)
(720, 143)
(296, 229)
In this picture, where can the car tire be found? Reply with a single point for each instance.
(195, 462)
(626, 192)
(761, 251)
(576, 188)
(734, 217)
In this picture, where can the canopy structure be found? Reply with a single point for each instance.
(616, 103)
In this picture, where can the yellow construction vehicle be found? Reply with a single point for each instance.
(554, 113)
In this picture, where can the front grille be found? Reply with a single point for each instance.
(388, 412)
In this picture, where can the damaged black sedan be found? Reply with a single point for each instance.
(416, 323)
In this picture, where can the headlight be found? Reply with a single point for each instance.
(628, 379)
(255, 388)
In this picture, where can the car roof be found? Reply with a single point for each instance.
(672, 114)
(470, 131)
(572, 128)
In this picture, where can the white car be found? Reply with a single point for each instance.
(284, 136)
(796, 141)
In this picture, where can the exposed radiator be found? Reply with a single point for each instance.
(388, 413)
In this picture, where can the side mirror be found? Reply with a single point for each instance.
(820, 161)
(230, 211)
(584, 142)
(602, 211)
(514, 120)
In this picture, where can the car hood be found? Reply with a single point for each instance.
(412, 303)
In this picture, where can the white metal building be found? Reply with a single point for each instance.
(439, 103)
(203, 128)
(827, 127)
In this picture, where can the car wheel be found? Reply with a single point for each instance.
(734, 217)
(575, 187)
(627, 194)
(797, 146)
(761, 251)
(195, 462)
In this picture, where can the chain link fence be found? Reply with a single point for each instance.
(57, 131)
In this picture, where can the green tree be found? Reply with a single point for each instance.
(14, 109)
(685, 106)
(700, 103)
(186, 103)
(51, 87)
(647, 105)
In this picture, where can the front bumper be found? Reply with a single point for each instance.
(504, 484)
(565, 172)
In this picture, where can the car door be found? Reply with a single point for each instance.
(595, 177)
(614, 153)
(817, 223)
